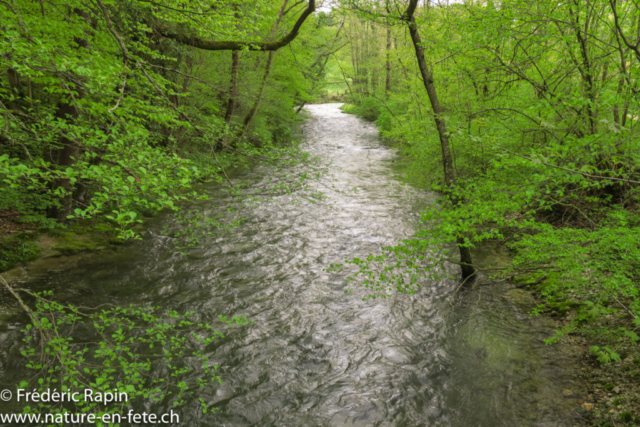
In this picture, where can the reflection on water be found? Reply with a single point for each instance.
(316, 356)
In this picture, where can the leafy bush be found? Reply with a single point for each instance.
(121, 350)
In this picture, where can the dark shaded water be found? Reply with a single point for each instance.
(316, 356)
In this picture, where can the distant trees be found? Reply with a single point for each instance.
(366, 76)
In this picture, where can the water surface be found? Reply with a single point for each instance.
(316, 356)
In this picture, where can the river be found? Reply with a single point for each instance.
(315, 355)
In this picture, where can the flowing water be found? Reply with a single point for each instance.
(316, 356)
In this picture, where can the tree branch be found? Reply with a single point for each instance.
(204, 44)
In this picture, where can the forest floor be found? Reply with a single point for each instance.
(613, 388)
(10, 223)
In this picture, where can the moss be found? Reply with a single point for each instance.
(618, 401)
(636, 362)
(524, 279)
(82, 238)
(626, 416)
(532, 282)
(562, 308)
(70, 248)
(520, 297)
(608, 386)
(550, 284)
(103, 228)
(18, 249)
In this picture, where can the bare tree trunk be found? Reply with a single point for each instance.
(616, 111)
(65, 157)
(256, 104)
(67, 154)
(267, 71)
(372, 56)
(586, 71)
(387, 85)
(233, 91)
(466, 263)
(301, 107)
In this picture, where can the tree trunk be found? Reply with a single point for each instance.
(267, 71)
(466, 263)
(256, 104)
(301, 107)
(67, 154)
(65, 157)
(233, 91)
(387, 85)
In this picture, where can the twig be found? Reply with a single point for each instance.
(124, 85)
(537, 282)
(215, 156)
(43, 334)
(123, 47)
(471, 277)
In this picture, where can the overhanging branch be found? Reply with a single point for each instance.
(204, 44)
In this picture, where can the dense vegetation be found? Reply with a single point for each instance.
(522, 115)
(537, 105)
(114, 109)
(111, 111)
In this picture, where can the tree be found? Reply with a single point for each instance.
(107, 120)
(466, 263)
(540, 104)
(408, 18)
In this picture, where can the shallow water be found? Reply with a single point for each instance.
(316, 356)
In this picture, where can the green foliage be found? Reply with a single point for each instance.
(368, 109)
(107, 116)
(543, 132)
(590, 266)
(605, 355)
(118, 350)
(349, 108)
(100, 119)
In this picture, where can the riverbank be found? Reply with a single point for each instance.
(24, 248)
(613, 385)
(443, 358)
(600, 328)
(24, 239)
